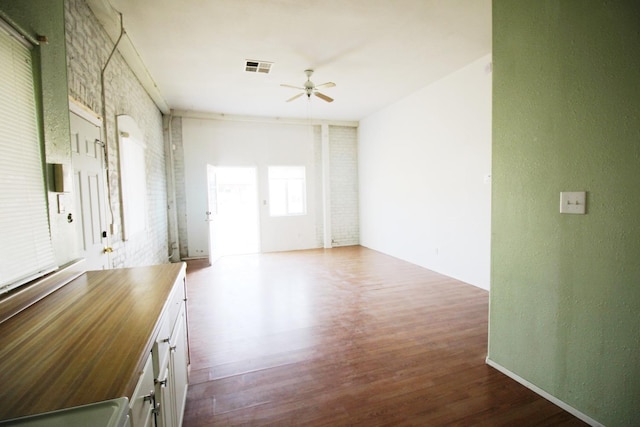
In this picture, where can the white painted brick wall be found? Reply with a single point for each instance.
(178, 170)
(343, 147)
(88, 48)
(317, 150)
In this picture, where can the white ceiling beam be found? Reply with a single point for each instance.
(259, 119)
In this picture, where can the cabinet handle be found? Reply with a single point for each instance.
(166, 339)
(162, 383)
(156, 408)
(173, 348)
(151, 397)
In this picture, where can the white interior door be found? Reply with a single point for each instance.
(90, 197)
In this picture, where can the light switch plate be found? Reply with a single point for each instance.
(62, 203)
(573, 202)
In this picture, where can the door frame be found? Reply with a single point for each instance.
(212, 213)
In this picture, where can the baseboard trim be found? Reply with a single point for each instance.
(541, 392)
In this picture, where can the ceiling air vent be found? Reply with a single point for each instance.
(252, 66)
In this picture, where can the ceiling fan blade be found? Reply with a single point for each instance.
(295, 97)
(293, 87)
(327, 84)
(323, 96)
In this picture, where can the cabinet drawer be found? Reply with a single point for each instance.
(168, 320)
(160, 350)
(176, 300)
(143, 399)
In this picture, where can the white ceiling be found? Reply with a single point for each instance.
(376, 51)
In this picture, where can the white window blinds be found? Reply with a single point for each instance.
(25, 243)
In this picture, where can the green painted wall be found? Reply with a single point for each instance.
(46, 17)
(565, 289)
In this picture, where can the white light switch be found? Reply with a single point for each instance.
(62, 203)
(573, 202)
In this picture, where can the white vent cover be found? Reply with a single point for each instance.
(252, 66)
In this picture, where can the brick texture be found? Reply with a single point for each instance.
(317, 152)
(343, 147)
(88, 48)
(178, 170)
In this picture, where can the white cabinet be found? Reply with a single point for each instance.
(165, 414)
(143, 401)
(160, 395)
(170, 361)
(123, 320)
(178, 364)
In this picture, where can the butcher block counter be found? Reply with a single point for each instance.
(86, 342)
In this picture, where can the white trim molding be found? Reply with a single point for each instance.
(85, 112)
(541, 392)
(192, 114)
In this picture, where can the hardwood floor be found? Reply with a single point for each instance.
(345, 336)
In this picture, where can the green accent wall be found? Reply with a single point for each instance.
(46, 18)
(565, 289)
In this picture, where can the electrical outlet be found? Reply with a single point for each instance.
(573, 202)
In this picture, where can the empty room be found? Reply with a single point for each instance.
(243, 212)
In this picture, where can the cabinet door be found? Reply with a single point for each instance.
(165, 416)
(150, 422)
(178, 363)
(143, 401)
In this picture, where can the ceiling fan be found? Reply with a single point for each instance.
(310, 89)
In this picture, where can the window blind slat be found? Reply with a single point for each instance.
(26, 250)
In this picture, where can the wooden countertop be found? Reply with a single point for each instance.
(86, 342)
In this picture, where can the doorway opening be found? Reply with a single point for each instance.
(233, 211)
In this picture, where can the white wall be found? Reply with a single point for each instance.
(423, 166)
(243, 143)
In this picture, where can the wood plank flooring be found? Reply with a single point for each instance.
(345, 336)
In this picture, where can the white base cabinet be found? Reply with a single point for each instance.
(142, 404)
(165, 414)
(178, 366)
(161, 393)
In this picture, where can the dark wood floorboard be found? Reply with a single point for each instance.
(345, 336)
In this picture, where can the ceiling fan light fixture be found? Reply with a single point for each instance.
(310, 88)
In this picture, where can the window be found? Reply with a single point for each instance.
(287, 190)
(133, 178)
(26, 251)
